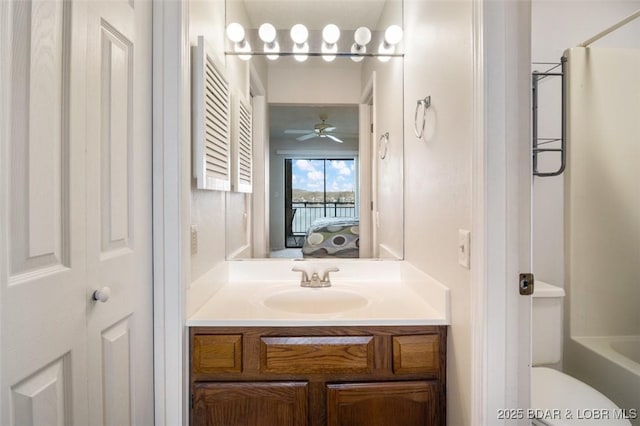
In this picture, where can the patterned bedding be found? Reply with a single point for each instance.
(333, 237)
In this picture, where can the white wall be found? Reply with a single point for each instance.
(556, 26)
(314, 82)
(219, 234)
(389, 172)
(438, 62)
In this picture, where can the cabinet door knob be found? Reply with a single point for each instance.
(102, 295)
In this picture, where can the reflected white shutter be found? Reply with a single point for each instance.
(243, 172)
(211, 121)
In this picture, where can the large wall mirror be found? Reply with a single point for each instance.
(325, 82)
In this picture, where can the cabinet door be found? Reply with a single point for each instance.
(250, 404)
(383, 404)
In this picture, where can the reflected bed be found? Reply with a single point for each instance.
(333, 237)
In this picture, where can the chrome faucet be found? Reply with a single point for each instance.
(315, 281)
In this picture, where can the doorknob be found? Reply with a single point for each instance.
(102, 294)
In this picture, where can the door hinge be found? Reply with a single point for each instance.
(192, 401)
(372, 206)
(371, 127)
(526, 284)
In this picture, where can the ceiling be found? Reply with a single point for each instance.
(315, 14)
(281, 118)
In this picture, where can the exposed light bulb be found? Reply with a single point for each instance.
(393, 34)
(362, 36)
(331, 34)
(300, 51)
(385, 49)
(328, 51)
(235, 32)
(242, 48)
(274, 49)
(267, 33)
(357, 50)
(299, 34)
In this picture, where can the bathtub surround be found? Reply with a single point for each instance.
(602, 235)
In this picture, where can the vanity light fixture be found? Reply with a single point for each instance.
(299, 35)
(267, 33)
(362, 37)
(330, 35)
(392, 36)
(235, 32)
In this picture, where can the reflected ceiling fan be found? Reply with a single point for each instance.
(320, 130)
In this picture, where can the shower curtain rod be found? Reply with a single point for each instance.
(612, 28)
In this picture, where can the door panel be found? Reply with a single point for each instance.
(75, 213)
(42, 270)
(383, 404)
(251, 404)
(119, 212)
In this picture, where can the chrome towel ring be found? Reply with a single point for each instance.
(383, 145)
(425, 103)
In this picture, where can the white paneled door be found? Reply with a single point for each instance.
(75, 212)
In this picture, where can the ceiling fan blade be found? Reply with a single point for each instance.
(329, 129)
(296, 132)
(307, 136)
(334, 138)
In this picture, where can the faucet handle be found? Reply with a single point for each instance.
(325, 276)
(305, 276)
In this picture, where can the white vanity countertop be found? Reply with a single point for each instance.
(404, 297)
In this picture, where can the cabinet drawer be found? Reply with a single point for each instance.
(217, 353)
(336, 354)
(416, 354)
(250, 403)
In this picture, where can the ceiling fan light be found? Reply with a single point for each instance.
(299, 34)
(357, 50)
(328, 51)
(267, 33)
(393, 34)
(235, 32)
(362, 36)
(331, 34)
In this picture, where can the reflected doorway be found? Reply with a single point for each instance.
(317, 188)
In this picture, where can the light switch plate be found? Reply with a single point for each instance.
(464, 243)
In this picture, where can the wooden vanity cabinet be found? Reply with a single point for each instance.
(318, 376)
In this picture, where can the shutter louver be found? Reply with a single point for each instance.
(244, 145)
(211, 121)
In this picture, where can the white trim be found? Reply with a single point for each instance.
(260, 200)
(478, 217)
(501, 211)
(170, 59)
(365, 144)
(5, 31)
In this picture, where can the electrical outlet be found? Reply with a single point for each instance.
(464, 243)
(194, 239)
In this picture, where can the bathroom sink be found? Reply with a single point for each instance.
(316, 300)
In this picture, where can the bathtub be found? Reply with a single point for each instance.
(610, 364)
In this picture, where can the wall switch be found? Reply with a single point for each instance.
(464, 243)
(194, 239)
